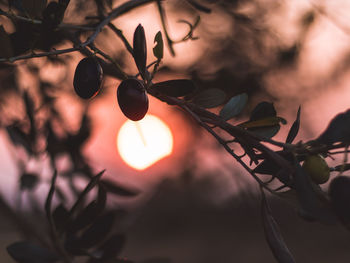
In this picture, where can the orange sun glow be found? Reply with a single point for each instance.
(143, 143)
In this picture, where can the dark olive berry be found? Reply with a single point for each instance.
(88, 78)
(132, 99)
(339, 193)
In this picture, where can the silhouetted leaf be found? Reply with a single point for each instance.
(49, 198)
(28, 181)
(210, 98)
(338, 130)
(234, 106)
(60, 217)
(175, 88)
(140, 50)
(158, 50)
(273, 235)
(26, 252)
(6, 50)
(90, 213)
(293, 132)
(97, 231)
(310, 204)
(93, 181)
(114, 188)
(263, 110)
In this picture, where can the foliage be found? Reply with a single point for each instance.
(86, 228)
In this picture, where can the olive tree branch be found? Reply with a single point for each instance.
(122, 9)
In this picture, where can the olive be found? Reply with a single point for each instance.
(317, 168)
(88, 78)
(132, 99)
(339, 193)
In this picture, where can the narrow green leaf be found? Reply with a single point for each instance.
(49, 198)
(234, 106)
(114, 188)
(293, 132)
(158, 50)
(60, 218)
(175, 88)
(273, 235)
(210, 98)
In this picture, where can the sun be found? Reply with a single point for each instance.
(145, 142)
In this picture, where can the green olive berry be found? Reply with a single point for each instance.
(88, 78)
(317, 168)
(132, 99)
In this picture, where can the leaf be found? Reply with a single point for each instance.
(60, 217)
(90, 213)
(114, 188)
(263, 110)
(158, 50)
(273, 235)
(28, 181)
(263, 123)
(49, 198)
(338, 130)
(140, 50)
(293, 132)
(175, 88)
(210, 98)
(93, 181)
(98, 231)
(26, 252)
(234, 106)
(6, 50)
(310, 204)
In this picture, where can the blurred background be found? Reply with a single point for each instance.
(196, 204)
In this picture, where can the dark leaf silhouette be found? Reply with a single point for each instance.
(210, 98)
(263, 110)
(60, 217)
(97, 231)
(293, 132)
(273, 235)
(234, 106)
(140, 50)
(338, 130)
(175, 88)
(26, 252)
(93, 182)
(158, 50)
